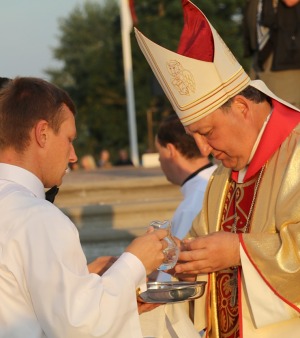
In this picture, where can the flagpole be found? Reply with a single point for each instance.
(126, 26)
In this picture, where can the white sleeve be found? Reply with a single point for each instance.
(68, 301)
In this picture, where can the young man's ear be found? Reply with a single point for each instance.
(41, 132)
(171, 149)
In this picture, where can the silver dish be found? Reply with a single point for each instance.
(172, 292)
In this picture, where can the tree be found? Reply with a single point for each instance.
(92, 73)
(91, 53)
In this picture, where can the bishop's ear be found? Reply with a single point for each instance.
(240, 104)
(41, 132)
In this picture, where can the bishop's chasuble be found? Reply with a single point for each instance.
(259, 298)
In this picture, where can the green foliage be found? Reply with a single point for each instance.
(90, 50)
(93, 75)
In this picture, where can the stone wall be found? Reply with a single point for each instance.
(116, 204)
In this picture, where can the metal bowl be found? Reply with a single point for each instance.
(172, 292)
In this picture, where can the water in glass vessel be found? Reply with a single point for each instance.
(171, 252)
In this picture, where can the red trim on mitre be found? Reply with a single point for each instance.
(283, 120)
(196, 39)
(264, 279)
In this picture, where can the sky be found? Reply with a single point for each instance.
(29, 31)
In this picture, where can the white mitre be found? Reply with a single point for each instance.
(203, 74)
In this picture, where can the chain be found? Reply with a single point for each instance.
(234, 278)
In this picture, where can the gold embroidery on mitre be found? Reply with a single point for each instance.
(226, 50)
(182, 79)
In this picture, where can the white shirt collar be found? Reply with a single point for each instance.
(23, 177)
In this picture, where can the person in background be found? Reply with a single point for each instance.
(87, 162)
(123, 158)
(185, 166)
(74, 166)
(46, 289)
(104, 159)
(272, 39)
(245, 242)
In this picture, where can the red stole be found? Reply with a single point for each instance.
(237, 205)
(283, 120)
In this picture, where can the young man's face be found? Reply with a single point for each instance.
(166, 162)
(61, 151)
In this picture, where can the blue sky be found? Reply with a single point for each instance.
(28, 32)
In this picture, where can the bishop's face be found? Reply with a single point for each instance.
(228, 134)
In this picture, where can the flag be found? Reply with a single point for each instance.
(128, 15)
(133, 13)
(128, 19)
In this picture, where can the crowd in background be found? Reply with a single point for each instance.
(104, 161)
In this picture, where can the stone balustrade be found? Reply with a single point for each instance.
(118, 203)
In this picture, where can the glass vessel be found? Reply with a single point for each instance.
(171, 252)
